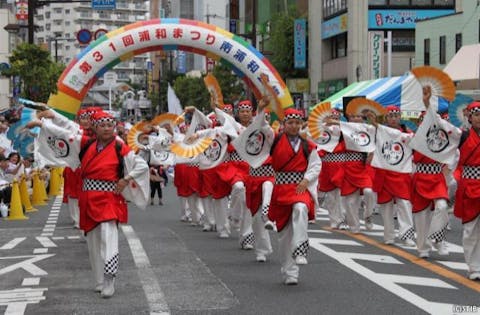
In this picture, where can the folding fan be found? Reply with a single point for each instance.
(166, 118)
(455, 110)
(276, 126)
(358, 105)
(134, 134)
(275, 103)
(440, 82)
(214, 89)
(191, 149)
(316, 118)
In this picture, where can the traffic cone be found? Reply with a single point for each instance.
(54, 187)
(38, 198)
(16, 210)
(25, 196)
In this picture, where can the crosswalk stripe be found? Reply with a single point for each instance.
(454, 265)
(336, 241)
(13, 243)
(373, 257)
(423, 281)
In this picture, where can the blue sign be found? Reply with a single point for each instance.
(233, 26)
(335, 26)
(299, 39)
(103, 4)
(401, 19)
(181, 62)
(149, 66)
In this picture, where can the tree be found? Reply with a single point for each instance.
(231, 85)
(281, 43)
(192, 92)
(37, 71)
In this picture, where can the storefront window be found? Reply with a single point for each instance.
(333, 7)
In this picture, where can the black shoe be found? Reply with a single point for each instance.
(160, 203)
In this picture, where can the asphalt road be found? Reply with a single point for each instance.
(167, 266)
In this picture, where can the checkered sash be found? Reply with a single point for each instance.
(471, 172)
(428, 168)
(262, 171)
(282, 178)
(343, 157)
(234, 156)
(99, 185)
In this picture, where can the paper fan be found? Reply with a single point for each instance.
(191, 149)
(441, 83)
(134, 134)
(275, 103)
(455, 110)
(166, 118)
(214, 89)
(316, 117)
(358, 105)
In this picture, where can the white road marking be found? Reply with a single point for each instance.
(46, 234)
(45, 241)
(454, 265)
(384, 282)
(335, 241)
(58, 237)
(431, 282)
(75, 237)
(153, 292)
(13, 243)
(372, 257)
(17, 300)
(31, 281)
(40, 250)
(319, 231)
(27, 265)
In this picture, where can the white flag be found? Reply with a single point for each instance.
(253, 144)
(392, 151)
(57, 146)
(174, 105)
(437, 138)
(329, 138)
(199, 122)
(358, 137)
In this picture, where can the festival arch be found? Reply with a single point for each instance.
(163, 34)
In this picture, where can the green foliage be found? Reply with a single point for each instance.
(38, 73)
(192, 92)
(282, 45)
(231, 85)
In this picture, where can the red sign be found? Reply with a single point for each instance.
(22, 10)
(100, 32)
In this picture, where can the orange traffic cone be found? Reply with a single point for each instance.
(54, 187)
(38, 198)
(25, 196)
(16, 210)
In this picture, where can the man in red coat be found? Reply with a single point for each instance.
(297, 165)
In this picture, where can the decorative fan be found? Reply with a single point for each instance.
(166, 118)
(134, 134)
(31, 104)
(275, 103)
(214, 89)
(441, 83)
(316, 117)
(455, 110)
(191, 149)
(358, 105)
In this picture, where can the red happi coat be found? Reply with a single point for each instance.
(284, 196)
(467, 198)
(72, 183)
(180, 180)
(233, 171)
(426, 188)
(331, 176)
(213, 184)
(355, 174)
(253, 187)
(100, 206)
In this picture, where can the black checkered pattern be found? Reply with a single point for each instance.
(301, 250)
(265, 210)
(103, 119)
(249, 239)
(111, 266)
(293, 116)
(262, 171)
(428, 168)
(471, 172)
(194, 164)
(474, 110)
(343, 157)
(234, 156)
(282, 178)
(439, 236)
(408, 235)
(100, 185)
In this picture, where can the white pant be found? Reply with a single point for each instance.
(333, 205)
(74, 211)
(426, 227)
(220, 214)
(351, 204)
(293, 235)
(404, 218)
(238, 202)
(263, 246)
(471, 244)
(196, 207)
(102, 244)
(183, 206)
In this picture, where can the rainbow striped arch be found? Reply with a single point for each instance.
(163, 34)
